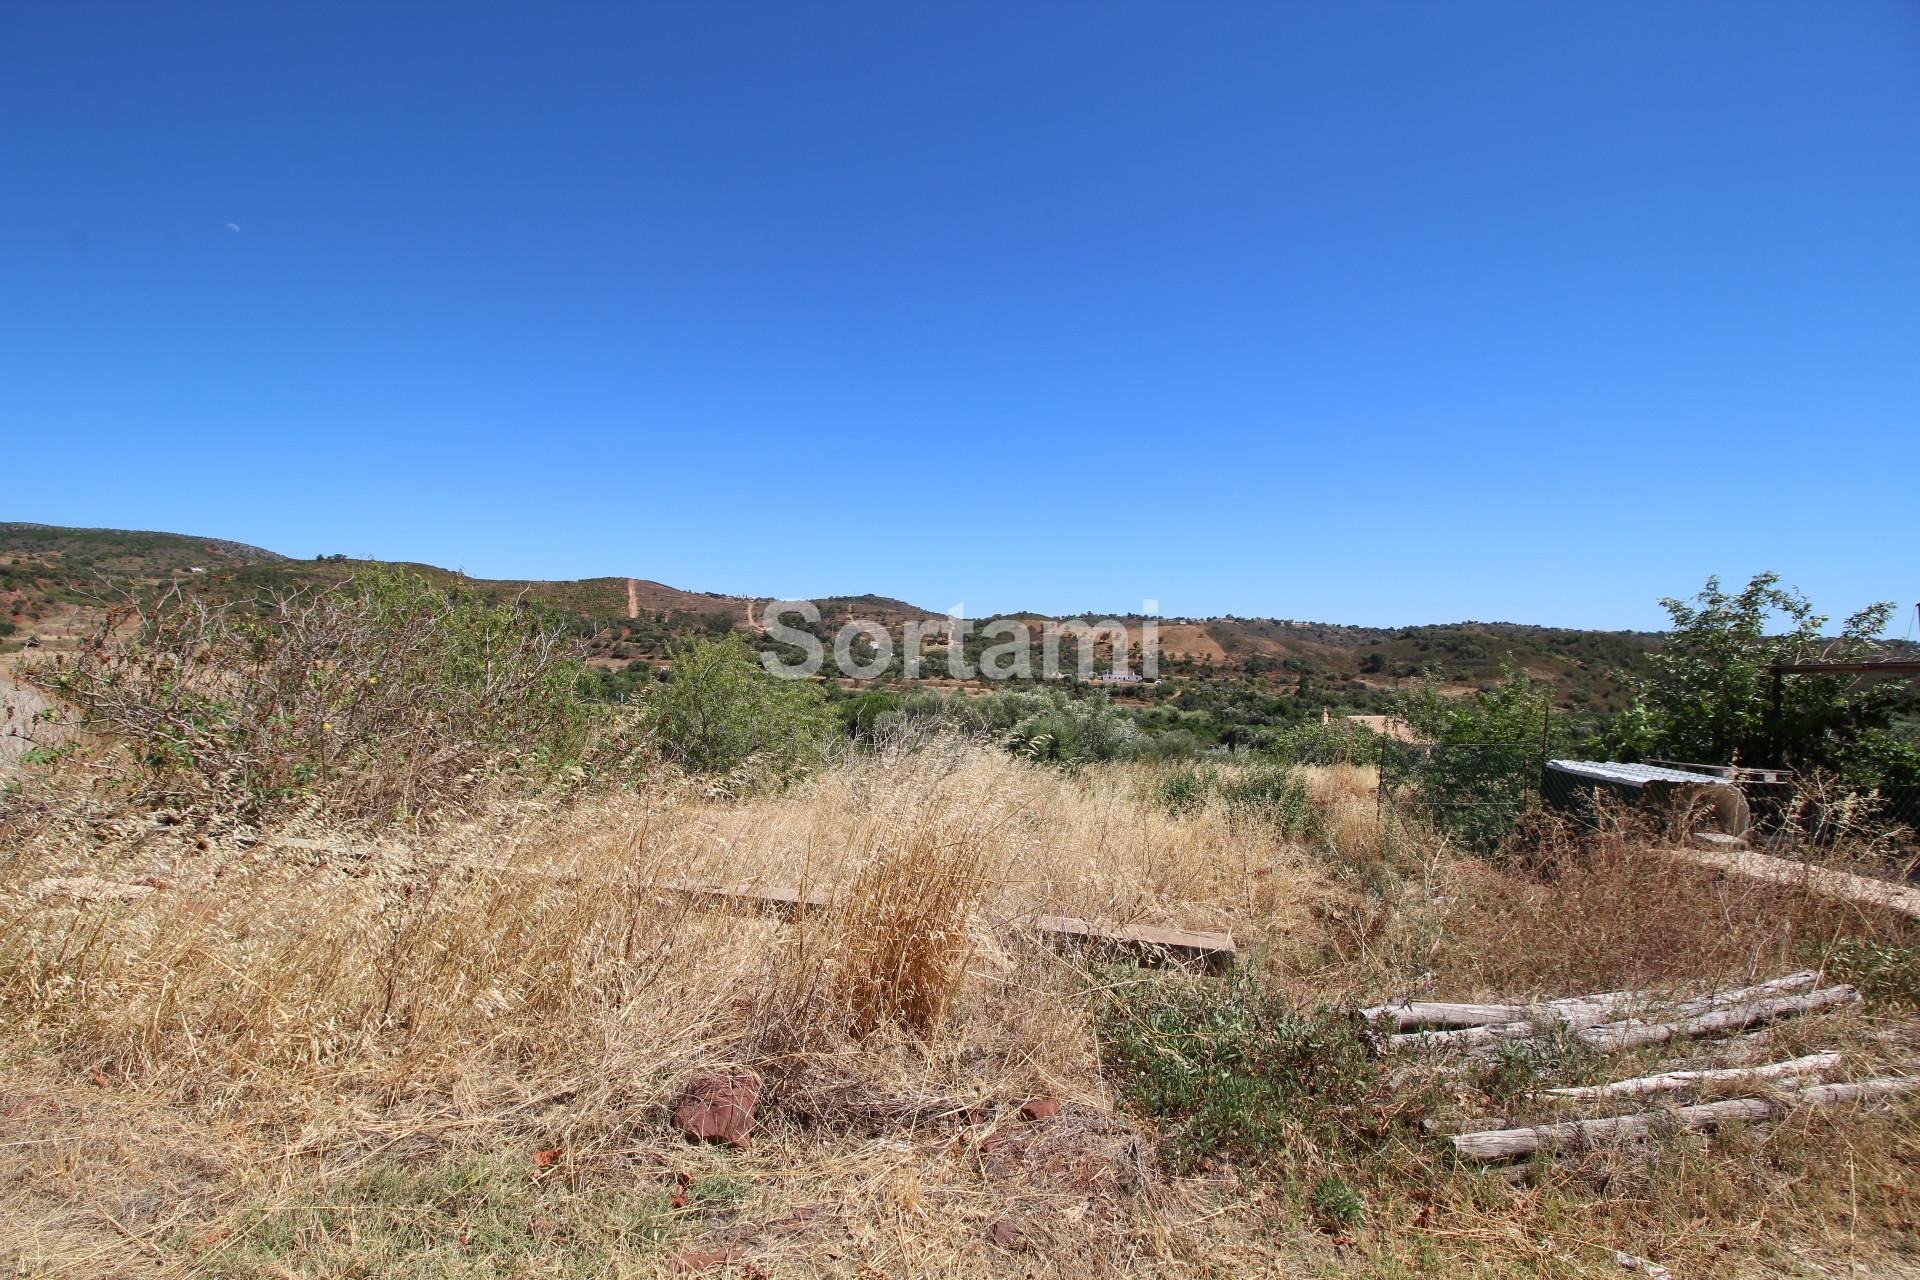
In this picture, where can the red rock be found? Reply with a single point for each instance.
(711, 1258)
(1040, 1108)
(719, 1108)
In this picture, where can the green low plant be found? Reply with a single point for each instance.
(1336, 1204)
(1182, 791)
(1273, 795)
(1070, 731)
(1230, 1071)
(475, 1218)
(1312, 742)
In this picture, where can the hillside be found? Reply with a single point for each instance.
(55, 581)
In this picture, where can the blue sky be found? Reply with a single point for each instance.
(1360, 313)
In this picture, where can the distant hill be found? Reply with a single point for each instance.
(125, 551)
(54, 581)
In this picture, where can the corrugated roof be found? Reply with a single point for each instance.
(1631, 775)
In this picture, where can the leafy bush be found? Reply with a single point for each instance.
(1042, 724)
(1312, 742)
(864, 716)
(1065, 730)
(1229, 1071)
(720, 709)
(1710, 695)
(1480, 769)
(1174, 744)
(377, 694)
(1268, 793)
(1517, 1067)
(1183, 791)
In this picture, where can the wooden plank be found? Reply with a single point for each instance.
(1861, 891)
(1501, 1018)
(1408, 1014)
(1148, 944)
(1145, 943)
(1635, 1033)
(780, 900)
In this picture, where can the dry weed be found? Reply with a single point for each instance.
(360, 1031)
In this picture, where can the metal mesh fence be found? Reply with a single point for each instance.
(1901, 805)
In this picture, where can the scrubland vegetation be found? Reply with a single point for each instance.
(346, 933)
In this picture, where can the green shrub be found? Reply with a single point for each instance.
(720, 710)
(1229, 1071)
(379, 694)
(1312, 742)
(1183, 791)
(862, 716)
(1336, 1204)
(1273, 795)
(1174, 744)
(1480, 770)
(1710, 694)
(1517, 1067)
(1067, 730)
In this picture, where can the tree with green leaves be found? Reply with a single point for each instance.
(1479, 764)
(720, 709)
(1710, 697)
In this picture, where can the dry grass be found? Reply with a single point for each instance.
(1602, 908)
(290, 1061)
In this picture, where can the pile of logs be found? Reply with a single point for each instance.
(1616, 1021)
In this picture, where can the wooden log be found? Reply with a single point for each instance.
(1670, 1081)
(1471, 1018)
(1445, 1013)
(1587, 1011)
(1635, 1033)
(1502, 1144)
(1860, 891)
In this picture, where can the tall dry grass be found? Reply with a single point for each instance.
(495, 941)
(527, 980)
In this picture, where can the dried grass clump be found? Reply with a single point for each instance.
(1599, 908)
(892, 947)
(1347, 797)
(1330, 784)
(900, 933)
(376, 971)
